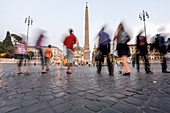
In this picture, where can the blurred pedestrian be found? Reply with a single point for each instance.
(21, 51)
(159, 44)
(69, 41)
(142, 50)
(104, 47)
(120, 67)
(133, 60)
(48, 55)
(122, 47)
(39, 47)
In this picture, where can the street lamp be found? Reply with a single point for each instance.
(30, 22)
(143, 16)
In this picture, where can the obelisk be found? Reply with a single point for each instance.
(86, 45)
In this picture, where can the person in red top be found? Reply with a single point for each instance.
(48, 55)
(69, 41)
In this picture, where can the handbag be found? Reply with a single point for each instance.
(98, 55)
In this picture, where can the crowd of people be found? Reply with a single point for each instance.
(121, 38)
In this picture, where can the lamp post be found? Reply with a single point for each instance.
(29, 21)
(143, 16)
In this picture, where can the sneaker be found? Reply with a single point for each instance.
(165, 71)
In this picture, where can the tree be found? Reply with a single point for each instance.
(7, 41)
(16, 37)
(1, 48)
(8, 46)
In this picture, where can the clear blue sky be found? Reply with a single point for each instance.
(56, 16)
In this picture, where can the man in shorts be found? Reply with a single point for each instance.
(68, 42)
(48, 55)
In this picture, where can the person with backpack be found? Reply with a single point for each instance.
(104, 47)
(160, 45)
(142, 50)
(123, 50)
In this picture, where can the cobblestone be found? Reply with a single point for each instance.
(84, 91)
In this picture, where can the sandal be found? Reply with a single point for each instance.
(44, 72)
(126, 74)
(68, 72)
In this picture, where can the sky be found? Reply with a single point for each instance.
(57, 16)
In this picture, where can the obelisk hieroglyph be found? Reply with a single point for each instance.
(86, 45)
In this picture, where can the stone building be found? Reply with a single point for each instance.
(78, 53)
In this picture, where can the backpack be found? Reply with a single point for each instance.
(105, 39)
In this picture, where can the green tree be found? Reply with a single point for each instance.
(1, 47)
(7, 41)
(8, 46)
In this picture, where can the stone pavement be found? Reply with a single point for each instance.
(83, 91)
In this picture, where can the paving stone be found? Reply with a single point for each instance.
(124, 107)
(109, 100)
(134, 101)
(47, 110)
(37, 107)
(95, 106)
(29, 102)
(109, 110)
(91, 91)
(101, 94)
(57, 95)
(71, 97)
(91, 97)
(119, 96)
(154, 103)
(46, 98)
(143, 97)
(147, 110)
(79, 102)
(43, 93)
(30, 97)
(8, 108)
(80, 110)
(63, 107)
(56, 101)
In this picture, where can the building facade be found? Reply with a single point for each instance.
(57, 53)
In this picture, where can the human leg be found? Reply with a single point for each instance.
(70, 56)
(20, 63)
(110, 67)
(137, 62)
(124, 60)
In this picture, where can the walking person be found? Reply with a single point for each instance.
(159, 44)
(122, 47)
(69, 41)
(133, 60)
(39, 47)
(48, 55)
(21, 51)
(104, 47)
(142, 50)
